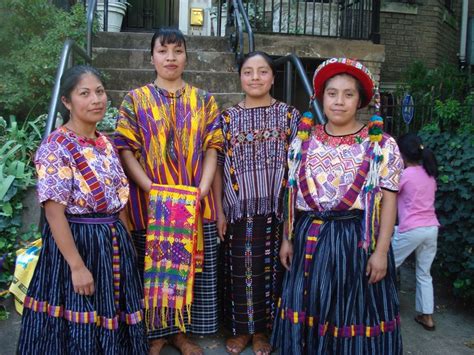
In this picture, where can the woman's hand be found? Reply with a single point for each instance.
(82, 281)
(286, 253)
(203, 191)
(221, 225)
(376, 266)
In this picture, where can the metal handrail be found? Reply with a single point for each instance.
(238, 13)
(66, 61)
(91, 8)
(289, 60)
(293, 60)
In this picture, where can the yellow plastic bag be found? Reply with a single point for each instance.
(26, 260)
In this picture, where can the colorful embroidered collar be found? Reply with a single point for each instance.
(334, 141)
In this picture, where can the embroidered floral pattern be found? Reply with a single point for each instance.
(335, 141)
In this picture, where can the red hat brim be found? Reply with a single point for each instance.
(332, 69)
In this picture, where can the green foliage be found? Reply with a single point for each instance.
(451, 115)
(451, 137)
(427, 85)
(18, 145)
(443, 91)
(31, 39)
(109, 122)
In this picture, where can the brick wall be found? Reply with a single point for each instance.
(425, 31)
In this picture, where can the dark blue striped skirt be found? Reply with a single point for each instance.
(252, 274)
(333, 309)
(56, 320)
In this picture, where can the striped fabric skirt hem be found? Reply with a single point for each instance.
(252, 274)
(204, 310)
(327, 305)
(56, 320)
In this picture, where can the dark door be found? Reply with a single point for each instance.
(149, 15)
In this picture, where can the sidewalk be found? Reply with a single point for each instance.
(454, 334)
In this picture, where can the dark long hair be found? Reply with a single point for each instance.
(264, 55)
(414, 152)
(69, 81)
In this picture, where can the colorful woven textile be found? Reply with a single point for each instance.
(168, 133)
(170, 253)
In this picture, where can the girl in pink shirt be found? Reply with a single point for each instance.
(418, 225)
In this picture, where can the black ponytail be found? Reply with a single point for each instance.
(414, 152)
(430, 163)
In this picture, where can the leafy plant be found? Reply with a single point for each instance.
(18, 144)
(450, 134)
(440, 97)
(453, 114)
(31, 39)
(109, 122)
(427, 85)
(451, 137)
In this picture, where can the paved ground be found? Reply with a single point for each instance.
(454, 334)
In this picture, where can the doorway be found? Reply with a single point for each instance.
(149, 15)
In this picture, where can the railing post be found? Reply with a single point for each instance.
(288, 82)
(106, 16)
(219, 18)
(375, 33)
(91, 9)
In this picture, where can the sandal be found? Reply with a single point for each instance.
(420, 321)
(156, 345)
(237, 343)
(184, 345)
(260, 345)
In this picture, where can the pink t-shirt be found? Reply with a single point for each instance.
(416, 197)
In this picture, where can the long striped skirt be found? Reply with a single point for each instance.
(56, 320)
(204, 310)
(327, 305)
(252, 274)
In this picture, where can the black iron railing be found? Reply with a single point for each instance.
(236, 18)
(351, 19)
(237, 14)
(293, 61)
(67, 60)
(423, 115)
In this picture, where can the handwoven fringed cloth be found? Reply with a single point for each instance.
(172, 248)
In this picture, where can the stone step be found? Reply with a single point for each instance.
(121, 79)
(139, 40)
(224, 100)
(140, 59)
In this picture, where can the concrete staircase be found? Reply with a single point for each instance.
(124, 58)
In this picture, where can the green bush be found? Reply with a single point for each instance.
(454, 207)
(33, 33)
(18, 144)
(451, 136)
(427, 85)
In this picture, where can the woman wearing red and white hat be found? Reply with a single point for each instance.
(339, 294)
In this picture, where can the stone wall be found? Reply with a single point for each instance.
(425, 31)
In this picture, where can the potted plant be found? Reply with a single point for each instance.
(115, 13)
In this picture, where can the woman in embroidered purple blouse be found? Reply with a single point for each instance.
(339, 294)
(257, 134)
(85, 296)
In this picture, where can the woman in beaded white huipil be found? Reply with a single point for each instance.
(252, 175)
